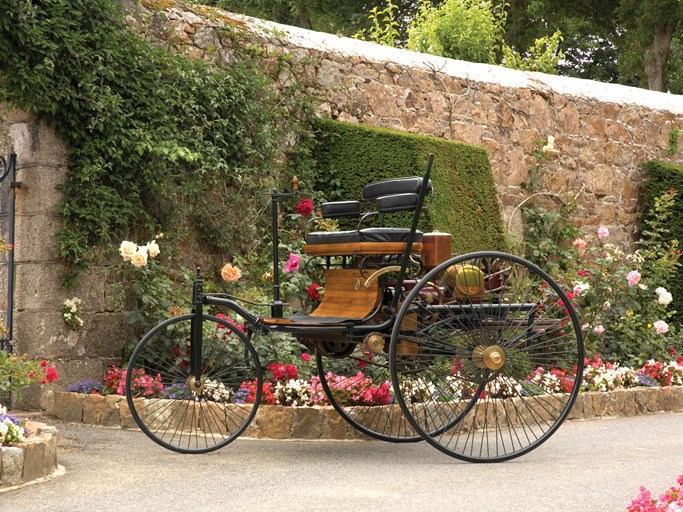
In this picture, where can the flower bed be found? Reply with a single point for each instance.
(323, 422)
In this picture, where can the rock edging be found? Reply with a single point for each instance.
(31, 460)
(317, 422)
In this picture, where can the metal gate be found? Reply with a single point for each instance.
(8, 184)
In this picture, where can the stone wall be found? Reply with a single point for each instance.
(39, 330)
(602, 131)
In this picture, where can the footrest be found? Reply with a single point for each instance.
(309, 320)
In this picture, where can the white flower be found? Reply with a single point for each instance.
(3, 409)
(139, 258)
(153, 248)
(606, 305)
(663, 296)
(579, 288)
(661, 327)
(642, 286)
(127, 250)
(550, 145)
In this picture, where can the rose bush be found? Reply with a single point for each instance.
(622, 297)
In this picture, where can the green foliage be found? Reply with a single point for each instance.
(544, 55)
(658, 178)
(459, 29)
(548, 236)
(465, 202)
(674, 136)
(18, 372)
(549, 229)
(624, 299)
(158, 142)
(385, 27)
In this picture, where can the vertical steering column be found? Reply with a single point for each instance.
(196, 328)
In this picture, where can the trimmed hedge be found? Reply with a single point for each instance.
(658, 178)
(465, 201)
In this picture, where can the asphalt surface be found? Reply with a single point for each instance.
(594, 465)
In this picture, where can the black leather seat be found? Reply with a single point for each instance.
(390, 196)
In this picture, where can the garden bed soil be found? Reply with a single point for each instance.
(318, 422)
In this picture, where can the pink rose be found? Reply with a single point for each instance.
(293, 262)
(633, 278)
(598, 329)
(580, 243)
(603, 233)
(661, 327)
(306, 356)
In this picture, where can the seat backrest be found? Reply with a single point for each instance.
(394, 187)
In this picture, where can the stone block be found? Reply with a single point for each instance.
(111, 412)
(274, 422)
(38, 194)
(577, 411)
(44, 334)
(11, 465)
(39, 286)
(306, 423)
(125, 416)
(34, 460)
(34, 239)
(36, 142)
(93, 407)
(68, 406)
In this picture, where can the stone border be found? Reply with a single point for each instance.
(32, 460)
(276, 422)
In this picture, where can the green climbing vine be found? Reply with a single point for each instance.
(158, 142)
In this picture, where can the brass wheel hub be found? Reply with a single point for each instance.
(196, 386)
(375, 342)
(492, 357)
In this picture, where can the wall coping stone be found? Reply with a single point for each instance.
(477, 72)
(32, 461)
(324, 423)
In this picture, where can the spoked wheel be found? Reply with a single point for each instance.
(486, 357)
(171, 407)
(359, 388)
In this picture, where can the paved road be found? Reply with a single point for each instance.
(586, 466)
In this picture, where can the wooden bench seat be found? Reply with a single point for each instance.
(341, 302)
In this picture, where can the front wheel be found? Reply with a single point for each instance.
(486, 357)
(165, 400)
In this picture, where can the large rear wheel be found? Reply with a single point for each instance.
(171, 407)
(486, 357)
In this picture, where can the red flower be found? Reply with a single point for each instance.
(52, 374)
(43, 363)
(313, 292)
(305, 207)
(43, 381)
(30, 375)
(306, 356)
(291, 371)
(176, 351)
(583, 273)
(277, 370)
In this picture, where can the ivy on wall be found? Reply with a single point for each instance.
(158, 142)
(465, 201)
